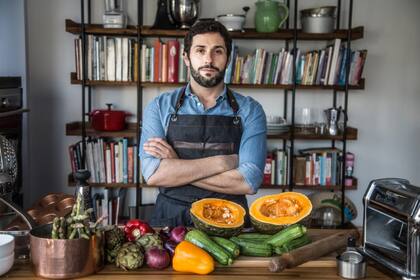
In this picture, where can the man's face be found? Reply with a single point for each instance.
(207, 59)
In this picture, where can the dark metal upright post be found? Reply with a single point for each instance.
(82, 3)
(89, 100)
(346, 94)
(292, 135)
(139, 100)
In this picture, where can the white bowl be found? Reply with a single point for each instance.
(232, 22)
(7, 245)
(6, 263)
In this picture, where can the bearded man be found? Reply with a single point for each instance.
(202, 140)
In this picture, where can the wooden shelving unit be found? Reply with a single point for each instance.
(291, 36)
(250, 33)
(72, 183)
(312, 187)
(75, 81)
(301, 135)
(75, 129)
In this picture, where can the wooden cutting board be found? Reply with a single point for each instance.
(314, 234)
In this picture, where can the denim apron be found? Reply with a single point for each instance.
(193, 137)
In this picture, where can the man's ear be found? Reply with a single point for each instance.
(186, 59)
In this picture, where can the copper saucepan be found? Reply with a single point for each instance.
(59, 258)
(64, 258)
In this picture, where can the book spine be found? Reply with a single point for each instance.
(173, 61)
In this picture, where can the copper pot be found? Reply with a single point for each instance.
(64, 258)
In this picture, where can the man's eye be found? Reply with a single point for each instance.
(219, 52)
(200, 51)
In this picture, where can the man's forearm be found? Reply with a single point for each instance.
(178, 172)
(229, 182)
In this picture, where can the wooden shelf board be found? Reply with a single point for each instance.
(310, 187)
(351, 135)
(75, 129)
(75, 81)
(76, 28)
(250, 33)
(72, 183)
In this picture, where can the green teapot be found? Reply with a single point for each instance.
(270, 15)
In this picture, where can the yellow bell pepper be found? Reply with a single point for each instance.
(191, 258)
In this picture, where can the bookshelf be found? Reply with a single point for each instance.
(289, 91)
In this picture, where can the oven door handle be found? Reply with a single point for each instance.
(14, 112)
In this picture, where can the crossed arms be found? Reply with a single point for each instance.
(216, 173)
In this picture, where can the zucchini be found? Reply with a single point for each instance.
(286, 235)
(202, 240)
(253, 248)
(292, 245)
(231, 247)
(254, 236)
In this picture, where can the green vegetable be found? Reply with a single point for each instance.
(202, 240)
(253, 248)
(292, 245)
(286, 235)
(255, 236)
(231, 247)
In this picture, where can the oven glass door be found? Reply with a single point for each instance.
(387, 235)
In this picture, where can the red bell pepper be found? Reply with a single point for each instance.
(135, 228)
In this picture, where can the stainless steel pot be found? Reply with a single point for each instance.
(184, 12)
(351, 265)
(318, 20)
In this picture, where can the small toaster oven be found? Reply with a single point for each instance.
(391, 224)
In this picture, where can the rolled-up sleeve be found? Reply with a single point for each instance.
(151, 127)
(253, 149)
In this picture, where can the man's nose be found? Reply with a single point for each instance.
(208, 57)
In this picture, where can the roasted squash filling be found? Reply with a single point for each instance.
(284, 207)
(219, 214)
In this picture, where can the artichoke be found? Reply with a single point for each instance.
(129, 256)
(111, 254)
(114, 237)
(150, 240)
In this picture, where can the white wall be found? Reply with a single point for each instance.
(385, 112)
(13, 63)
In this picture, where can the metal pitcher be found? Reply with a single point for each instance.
(184, 12)
(333, 116)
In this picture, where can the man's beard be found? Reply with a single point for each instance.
(204, 81)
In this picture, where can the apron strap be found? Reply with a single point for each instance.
(231, 99)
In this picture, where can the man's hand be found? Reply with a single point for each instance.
(159, 148)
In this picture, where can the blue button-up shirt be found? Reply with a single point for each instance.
(252, 151)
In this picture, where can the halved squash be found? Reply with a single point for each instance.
(218, 217)
(271, 213)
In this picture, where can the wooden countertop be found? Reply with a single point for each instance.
(323, 268)
(242, 268)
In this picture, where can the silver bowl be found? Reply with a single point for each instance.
(184, 12)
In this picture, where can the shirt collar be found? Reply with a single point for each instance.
(221, 97)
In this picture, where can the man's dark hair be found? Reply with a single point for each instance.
(207, 26)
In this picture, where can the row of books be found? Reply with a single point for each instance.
(321, 166)
(312, 167)
(316, 67)
(276, 167)
(108, 204)
(107, 58)
(108, 162)
(163, 62)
